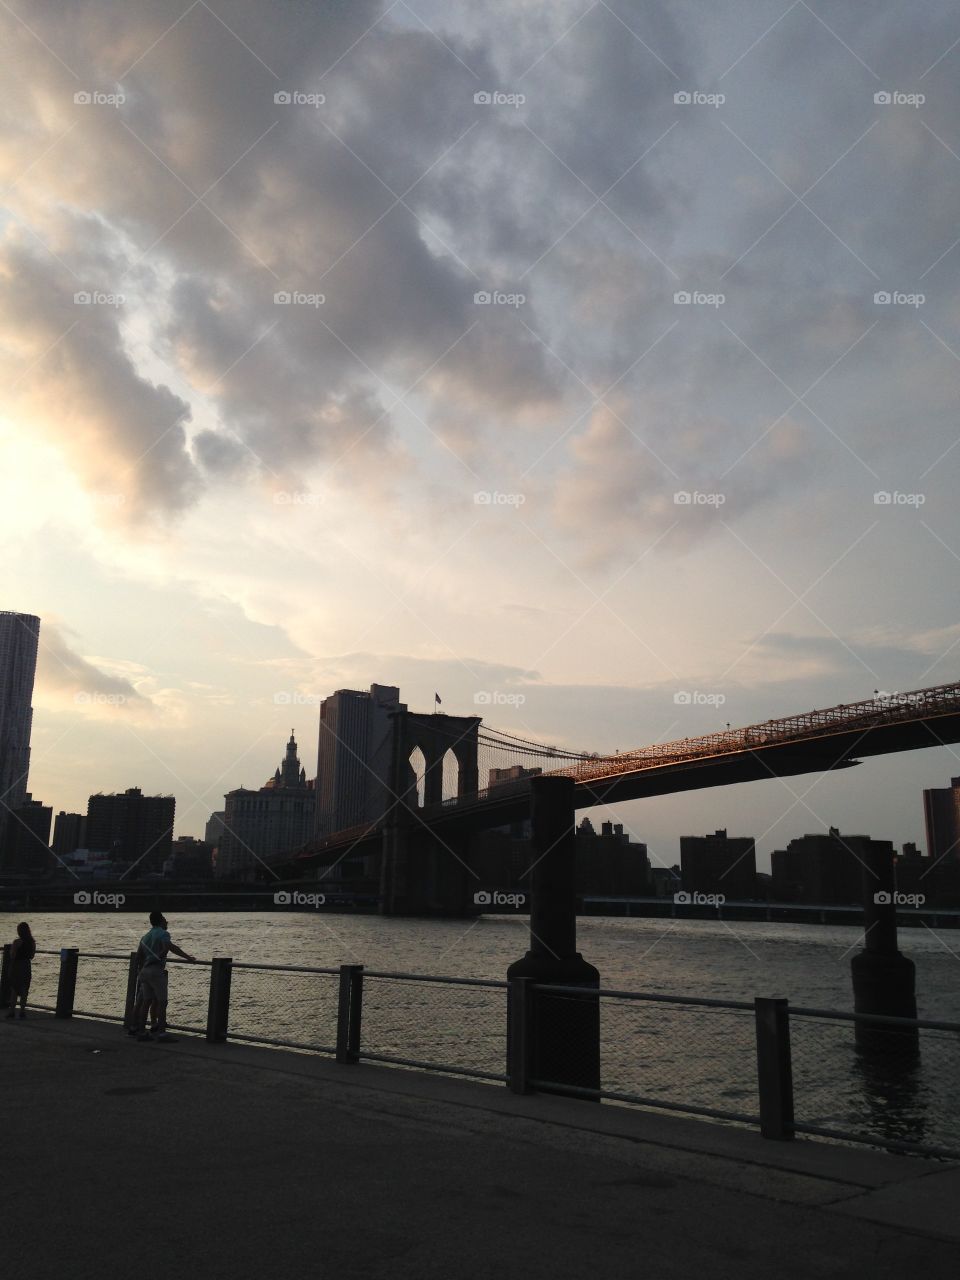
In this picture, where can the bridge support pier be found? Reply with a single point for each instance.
(423, 874)
(883, 978)
(564, 1030)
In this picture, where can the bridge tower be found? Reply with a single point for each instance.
(423, 873)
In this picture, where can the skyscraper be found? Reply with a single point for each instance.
(353, 757)
(19, 637)
(941, 813)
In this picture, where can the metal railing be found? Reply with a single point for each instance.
(882, 1081)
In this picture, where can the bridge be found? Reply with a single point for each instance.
(424, 839)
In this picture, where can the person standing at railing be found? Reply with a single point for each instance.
(155, 945)
(21, 971)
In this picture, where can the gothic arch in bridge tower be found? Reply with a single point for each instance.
(448, 745)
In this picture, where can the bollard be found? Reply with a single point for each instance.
(349, 1013)
(5, 976)
(774, 1070)
(67, 982)
(133, 978)
(218, 1007)
(520, 1041)
(566, 1027)
(884, 979)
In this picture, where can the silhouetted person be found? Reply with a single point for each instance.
(152, 953)
(21, 971)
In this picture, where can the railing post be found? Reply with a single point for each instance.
(774, 1069)
(5, 975)
(133, 977)
(520, 1035)
(218, 1007)
(349, 1012)
(67, 983)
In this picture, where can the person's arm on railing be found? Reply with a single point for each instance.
(172, 946)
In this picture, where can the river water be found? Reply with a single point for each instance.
(672, 1053)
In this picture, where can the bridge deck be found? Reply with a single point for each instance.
(815, 741)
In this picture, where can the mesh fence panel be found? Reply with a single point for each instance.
(681, 1054)
(300, 1008)
(883, 1086)
(101, 986)
(188, 996)
(43, 984)
(450, 1025)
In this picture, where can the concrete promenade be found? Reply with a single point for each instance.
(191, 1160)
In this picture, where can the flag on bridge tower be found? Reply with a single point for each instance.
(436, 699)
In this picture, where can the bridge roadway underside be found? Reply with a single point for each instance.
(779, 760)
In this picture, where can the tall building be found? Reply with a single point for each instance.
(28, 834)
(69, 832)
(719, 864)
(611, 863)
(134, 829)
(261, 825)
(916, 873)
(19, 637)
(941, 814)
(823, 869)
(354, 755)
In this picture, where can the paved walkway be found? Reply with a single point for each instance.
(200, 1161)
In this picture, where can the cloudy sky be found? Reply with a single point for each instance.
(361, 341)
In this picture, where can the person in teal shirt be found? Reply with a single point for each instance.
(155, 945)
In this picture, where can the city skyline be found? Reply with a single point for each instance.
(580, 359)
(356, 735)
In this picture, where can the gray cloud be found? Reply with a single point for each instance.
(66, 675)
(302, 199)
